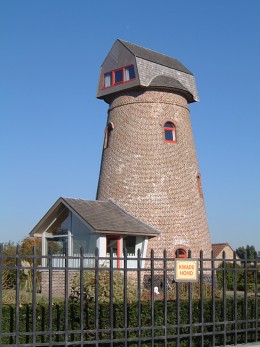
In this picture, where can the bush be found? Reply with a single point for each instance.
(24, 263)
(176, 313)
(229, 270)
(89, 280)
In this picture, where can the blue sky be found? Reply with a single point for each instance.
(52, 125)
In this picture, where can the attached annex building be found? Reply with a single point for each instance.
(149, 193)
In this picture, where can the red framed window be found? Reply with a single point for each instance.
(107, 79)
(169, 132)
(181, 253)
(118, 76)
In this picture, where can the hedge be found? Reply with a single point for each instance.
(105, 327)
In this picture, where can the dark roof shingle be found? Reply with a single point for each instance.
(101, 216)
(156, 57)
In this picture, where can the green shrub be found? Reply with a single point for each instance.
(251, 287)
(229, 270)
(175, 314)
(104, 274)
(24, 263)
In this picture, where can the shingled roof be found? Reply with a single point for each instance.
(150, 69)
(218, 248)
(103, 217)
(155, 57)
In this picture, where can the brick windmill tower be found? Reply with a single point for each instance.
(149, 165)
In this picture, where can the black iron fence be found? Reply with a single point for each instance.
(104, 305)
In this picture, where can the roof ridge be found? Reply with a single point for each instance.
(128, 45)
(147, 49)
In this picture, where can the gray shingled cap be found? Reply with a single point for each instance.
(156, 57)
(101, 216)
(170, 82)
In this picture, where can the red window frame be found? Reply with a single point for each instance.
(173, 131)
(113, 83)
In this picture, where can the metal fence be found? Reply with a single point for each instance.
(101, 305)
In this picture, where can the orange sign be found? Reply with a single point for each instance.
(186, 270)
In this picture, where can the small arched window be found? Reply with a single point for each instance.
(199, 185)
(181, 253)
(169, 132)
(109, 128)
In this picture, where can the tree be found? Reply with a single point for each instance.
(248, 251)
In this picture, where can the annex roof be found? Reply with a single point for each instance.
(103, 217)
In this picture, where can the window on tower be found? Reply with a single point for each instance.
(199, 185)
(181, 253)
(169, 132)
(118, 76)
(109, 128)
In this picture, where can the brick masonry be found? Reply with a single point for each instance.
(153, 180)
(58, 282)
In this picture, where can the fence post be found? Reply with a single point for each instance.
(34, 318)
(17, 293)
(190, 305)
(139, 294)
(81, 286)
(165, 281)
(235, 295)
(256, 295)
(96, 292)
(245, 296)
(111, 291)
(213, 285)
(1, 290)
(152, 295)
(202, 297)
(49, 260)
(125, 298)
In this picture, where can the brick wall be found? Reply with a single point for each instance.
(58, 282)
(153, 180)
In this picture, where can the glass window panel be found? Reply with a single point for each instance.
(168, 125)
(169, 135)
(107, 79)
(57, 245)
(119, 76)
(129, 73)
(111, 243)
(129, 243)
(87, 242)
(82, 237)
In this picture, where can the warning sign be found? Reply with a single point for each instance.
(186, 270)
